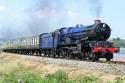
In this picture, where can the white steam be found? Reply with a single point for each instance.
(95, 7)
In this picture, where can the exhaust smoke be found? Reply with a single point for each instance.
(95, 8)
(43, 16)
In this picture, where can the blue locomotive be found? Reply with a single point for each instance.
(75, 35)
(79, 42)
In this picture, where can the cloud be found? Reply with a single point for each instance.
(13, 23)
(3, 8)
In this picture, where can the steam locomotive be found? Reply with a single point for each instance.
(79, 42)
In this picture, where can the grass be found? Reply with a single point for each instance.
(106, 62)
(13, 73)
(119, 80)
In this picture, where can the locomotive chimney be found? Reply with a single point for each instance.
(97, 22)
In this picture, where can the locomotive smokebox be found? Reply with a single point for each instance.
(97, 22)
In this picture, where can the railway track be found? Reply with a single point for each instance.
(111, 62)
(117, 66)
(117, 62)
(87, 60)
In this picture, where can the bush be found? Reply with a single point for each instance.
(57, 77)
(30, 77)
(26, 77)
(61, 76)
(11, 73)
(119, 80)
(87, 79)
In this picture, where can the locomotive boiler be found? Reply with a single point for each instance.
(95, 32)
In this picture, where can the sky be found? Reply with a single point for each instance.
(23, 18)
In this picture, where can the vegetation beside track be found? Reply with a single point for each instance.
(12, 73)
(14, 69)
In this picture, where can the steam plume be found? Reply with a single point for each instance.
(95, 7)
(42, 16)
(47, 14)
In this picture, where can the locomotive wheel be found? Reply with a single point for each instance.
(108, 59)
(53, 53)
(63, 53)
(91, 56)
(49, 54)
(69, 54)
(81, 56)
(60, 53)
(44, 52)
(95, 58)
